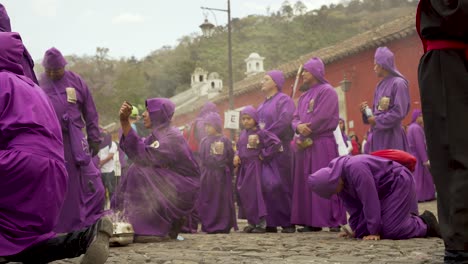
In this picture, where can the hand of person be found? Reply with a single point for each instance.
(344, 235)
(304, 129)
(125, 111)
(371, 120)
(427, 164)
(237, 161)
(260, 157)
(93, 148)
(363, 106)
(371, 237)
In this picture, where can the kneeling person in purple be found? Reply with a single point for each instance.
(33, 174)
(216, 205)
(259, 184)
(379, 195)
(161, 186)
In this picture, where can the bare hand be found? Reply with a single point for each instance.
(371, 120)
(371, 237)
(363, 106)
(304, 129)
(427, 164)
(237, 161)
(260, 157)
(125, 111)
(344, 235)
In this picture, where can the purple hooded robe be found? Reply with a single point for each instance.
(319, 107)
(391, 105)
(32, 167)
(26, 60)
(215, 204)
(275, 115)
(161, 186)
(261, 191)
(425, 189)
(378, 194)
(75, 109)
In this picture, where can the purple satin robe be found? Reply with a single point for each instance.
(215, 204)
(258, 181)
(425, 189)
(32, 167)
(161, 186)
(319, 107)
(84, 201)
(392, 95)
(379, 195)
(275, 115)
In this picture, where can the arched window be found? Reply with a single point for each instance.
(200, 78)
(257, 66)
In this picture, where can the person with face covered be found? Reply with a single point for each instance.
(33, 174)
(315, 119)
(379, 195)
(391, 105)
(161, 186)
(275, 115)
(75, 109)
(26, 60)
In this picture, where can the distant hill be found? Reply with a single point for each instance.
(279, 36)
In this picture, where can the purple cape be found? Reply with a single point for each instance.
(161, 186)
(319, 107)
(378, 194)
(32, 167)
(74, 103)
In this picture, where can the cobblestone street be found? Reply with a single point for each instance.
(320, 247)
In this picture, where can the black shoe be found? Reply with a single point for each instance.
(258, 230)
(271, 229)
(176, 228)
(248, 229)
(455, 257)
(98, 250)
(433, 229)
(309, 229)
(335, 229)
(288, 230)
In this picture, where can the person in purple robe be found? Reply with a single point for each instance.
(275, 115)
(258, 180)
(33, 174)
(26, 60)
(75, 109)
(215, 204)
(315, 119)
(162, 184)
(391, 105)
(425, 189)
(379, 195)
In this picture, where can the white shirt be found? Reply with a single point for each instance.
(103, 153)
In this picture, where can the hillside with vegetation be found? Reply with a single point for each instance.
(278, 35)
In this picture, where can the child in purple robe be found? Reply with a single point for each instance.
(215, 204)
(391, 105)
(379, 195)
(425, 189)
(161, 186)
(33, 175)
(258, 179)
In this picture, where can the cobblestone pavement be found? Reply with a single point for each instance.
(320, 247)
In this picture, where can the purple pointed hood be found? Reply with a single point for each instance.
(208, 108)
(5, 25)
(324, 182)
(160, 111)
(214, 119)
(278, 78)
(250, 111)
(415, 115)
(386, 59)
(53, 59)
(11, 52)
(316, 67)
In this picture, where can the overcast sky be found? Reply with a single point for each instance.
(126, 27)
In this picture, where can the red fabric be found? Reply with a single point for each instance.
(402, 157)
(356, 148)
(189, 135)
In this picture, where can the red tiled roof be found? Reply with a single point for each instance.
(397, 29)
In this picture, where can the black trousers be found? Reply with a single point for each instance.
(70, 245)
(443, 81)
